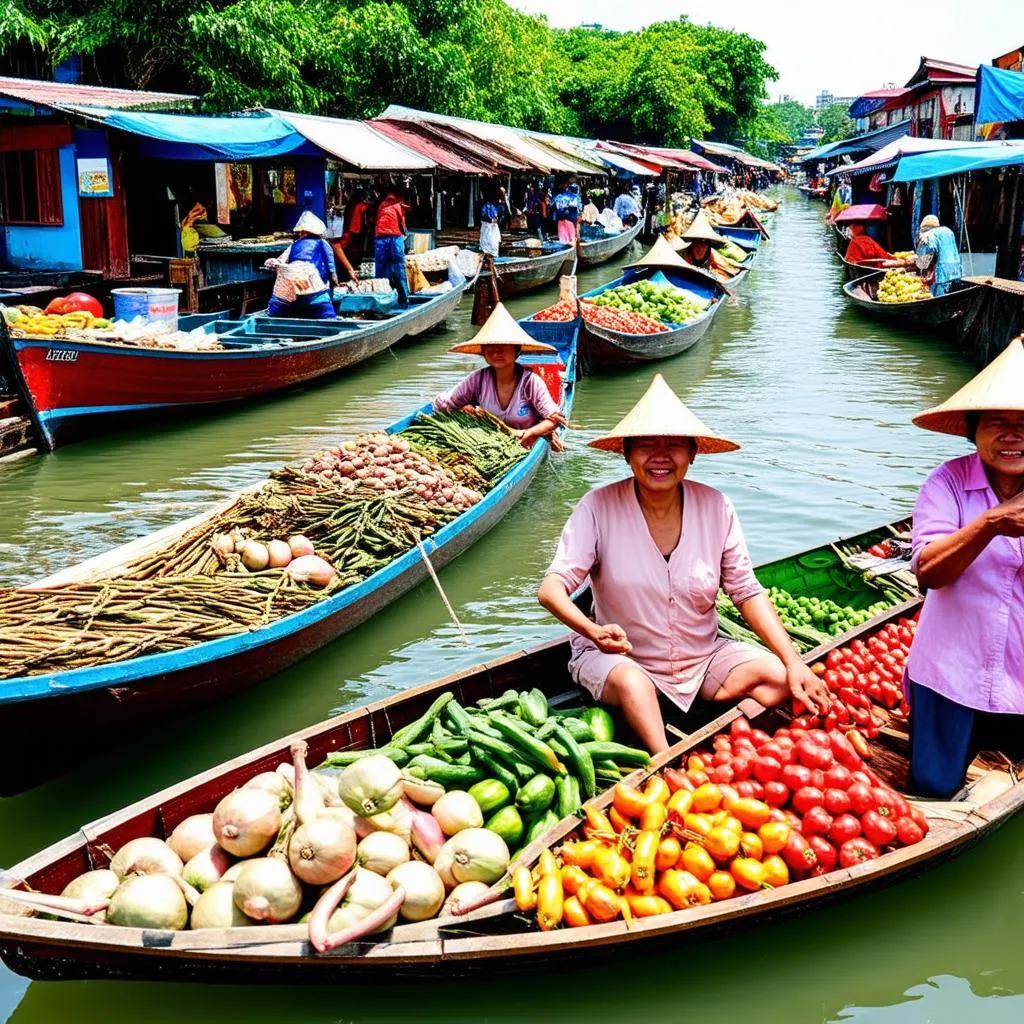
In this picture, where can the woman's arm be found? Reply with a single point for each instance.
(554, 596)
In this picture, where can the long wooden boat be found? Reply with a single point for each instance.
(531, 270)
(604, 349)
(600, 250)
(493, 939)
(34, 708)
(854, 271)
(938, 313)
(74, 387)
(745, 238)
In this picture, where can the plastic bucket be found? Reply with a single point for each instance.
(152, 304)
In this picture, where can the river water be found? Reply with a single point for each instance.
(821, 400)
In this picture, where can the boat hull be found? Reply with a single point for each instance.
(76, 388)
(601, 250)
(938, 313)
(530, 273)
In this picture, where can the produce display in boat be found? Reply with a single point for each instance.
(902, 286)
(32, 321)
(627, 320)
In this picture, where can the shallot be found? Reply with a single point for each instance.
(311, 569)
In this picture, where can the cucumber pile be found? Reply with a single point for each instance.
(526, 765)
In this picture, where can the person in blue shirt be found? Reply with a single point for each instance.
(568, 205)
(305, 274)
(490, 230)
(937, 248)
(627, 209)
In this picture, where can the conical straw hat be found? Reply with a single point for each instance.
(660, 413)
(501, 329)
(700, 230)
(999, 386)
(661, 254)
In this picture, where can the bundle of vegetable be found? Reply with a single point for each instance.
(457, 438)
(901, 286)
(750, 814)
(526, 766)
(31, 321)
(733, 252)
(664, 302)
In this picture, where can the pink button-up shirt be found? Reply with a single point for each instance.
(531, 401)
(970, 640)
(666, 607)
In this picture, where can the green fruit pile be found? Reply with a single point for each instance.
(821, 613)
(663, 302)
(900, 286)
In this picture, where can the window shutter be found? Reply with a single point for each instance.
(51, 206)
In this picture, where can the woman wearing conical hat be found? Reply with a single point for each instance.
(505, 388)
(965, 673)
(699, 242)
(657, 547)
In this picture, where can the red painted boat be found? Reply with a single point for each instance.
(73, 387)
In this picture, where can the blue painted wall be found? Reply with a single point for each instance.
(51, 248)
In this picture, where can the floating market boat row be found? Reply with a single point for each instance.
(916, 306)
(197, 627)
(587, 883)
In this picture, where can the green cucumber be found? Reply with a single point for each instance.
(490, 794)
(578, 730)
(621, 755)
(509, 699)
(544, 824)
(581, 761)
(508, 823)
(495, 769)
(453, 746)
(601, 724)
(547, 729)
(343, 758)
(568, 791)
(529, 747)
(414, 730)
(458, 717)
(533, 707)
(451, 776)
(536, 795)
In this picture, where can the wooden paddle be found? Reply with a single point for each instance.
(484, 298)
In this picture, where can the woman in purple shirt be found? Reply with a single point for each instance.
(504, 388)
(965, 673)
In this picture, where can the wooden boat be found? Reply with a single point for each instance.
(745, 238)
(600, 250)
(939, 313)
(604, 349)
(153, 686)
(493, 939)
(73, 387)
(524, 270)
(854, 271)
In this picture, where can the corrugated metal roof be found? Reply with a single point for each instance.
(681, 159)
(356, 143)
(868, 142)
(57, 95)
(571, 150)
(615, 158)
(889, 155)
(932, 70)
(445, 155)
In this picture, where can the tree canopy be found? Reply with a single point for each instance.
(835, 123)
(475, 58)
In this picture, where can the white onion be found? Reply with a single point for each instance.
(462, 893)
(478, 855)
(216, 908)
(246, 821)
(272, 782)
(456, 811)
(424, 890)
(92, 887)
(148, 901)
(379, 852)
(340, 813)
(370, 785)
(311, 569)
(145, 856)
(267, 890)
(255, 555)
(192, 836)
(443, 864)
(322, 850)
(279, 553)
(232, 873)
(207, 867)
(299, 545)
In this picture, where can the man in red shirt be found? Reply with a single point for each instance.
(389, 244)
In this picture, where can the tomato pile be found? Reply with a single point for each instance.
(603, 316)
(562, 311)
(861, 675)
(754, 812)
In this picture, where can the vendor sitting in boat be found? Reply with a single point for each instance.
(657, 548)
(505, 388)
(965, 673)
(938, 255)
(697, 245)
(863, 250)
(304, 272)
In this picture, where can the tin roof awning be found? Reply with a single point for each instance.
(869, 102)
(621, 161)
(727, 152)
(891, 154)
(57, 95)
(571, 149)
(867, 142)
(356, 143)
(959, 161)
(445, 155)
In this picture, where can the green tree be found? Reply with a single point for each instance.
(794, 117)
(835, 123)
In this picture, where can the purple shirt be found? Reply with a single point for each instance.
(531, 401)
(970, 640)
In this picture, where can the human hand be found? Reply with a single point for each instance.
(559, 419)
(610, 639)
(1008, 517)
(807, 688)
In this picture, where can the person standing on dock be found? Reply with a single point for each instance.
(568, 205)
(490, 230)
(627, 209)
(938, 253)
(389, 244)
(965, 674)
(657, 548)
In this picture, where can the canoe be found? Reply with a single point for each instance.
(603, 349)
(842, 239)
(939, 313)
(745, 238)
(51, 707)
(493, 939)
(518, 274)
(854, 271)
(600, 250)
(74, 387)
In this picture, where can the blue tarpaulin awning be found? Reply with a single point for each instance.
(869, 142)
(959, 161)
(1000, 96)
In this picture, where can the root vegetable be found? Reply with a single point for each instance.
(192, 836)
(145, 856)
(462, 894)
(216, 908)
(424, 890)
(207, 867)
(255, 556)
(246, 821)
(380, 852)
(366, 903)
(456, 811)
(266, 890)
(148, 901)
(322, 850)
(279, 554)
(370, 785)
(275, 783)
(92, 887)
(312, 570)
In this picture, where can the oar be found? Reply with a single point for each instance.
(444, 597)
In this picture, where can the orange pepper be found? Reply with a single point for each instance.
(669, 852)
(774, 835)
(574, 914)
(695, 763)
(707, 798)
(657, 789)
(751, 845)
(648, 906)
(629, 802)
(700, 823)
(522, 886)
(573, 878)
(546, 864)
(601, 903)
(777, 873)
(618, 821)
(733, 824)
(698, 862)
(753, 813)
(550, 904)
(722, 843)
(719, 817)
(645, 849)
(654, 817)
(596, 823)
(611, 868)
(722, 885)
(681, 801)
(749, 873)
(582, 854)
(683, 889)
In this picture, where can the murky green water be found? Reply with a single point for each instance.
(821, 400)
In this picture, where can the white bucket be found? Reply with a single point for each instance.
(152, 304)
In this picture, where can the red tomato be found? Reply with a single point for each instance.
(817, 778)
(758, 736)
(796, 775)
(783, 737)
(827, 854)
(858, 646)
(770, 749)
(721, 757)
(74, 303)
(741, 767)
(740, 727)
(862, 799)
(835, 658)
(722, 743)
(878, 829)
(831, 678)
(857, 663)
(908, 831)
(843, 752)
(811, 755)
(746, 787)
(890, 804)
(836, 801)
(757, 790)
(854, 851)
(798, 854)
(845, 827)
(891, 695)
(775, 794)
(766, 769)
(806, 798)
(838, 777)
(918, 816)
(817, 821)
(722, 773)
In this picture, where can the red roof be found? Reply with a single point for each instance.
(444, 155)
(681, 159)
(865, 211)
(61, 94)
(932, 70)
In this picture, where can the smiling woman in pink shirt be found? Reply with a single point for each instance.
(656, 548)
(965, 673)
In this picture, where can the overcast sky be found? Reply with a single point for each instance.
(806, 42)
